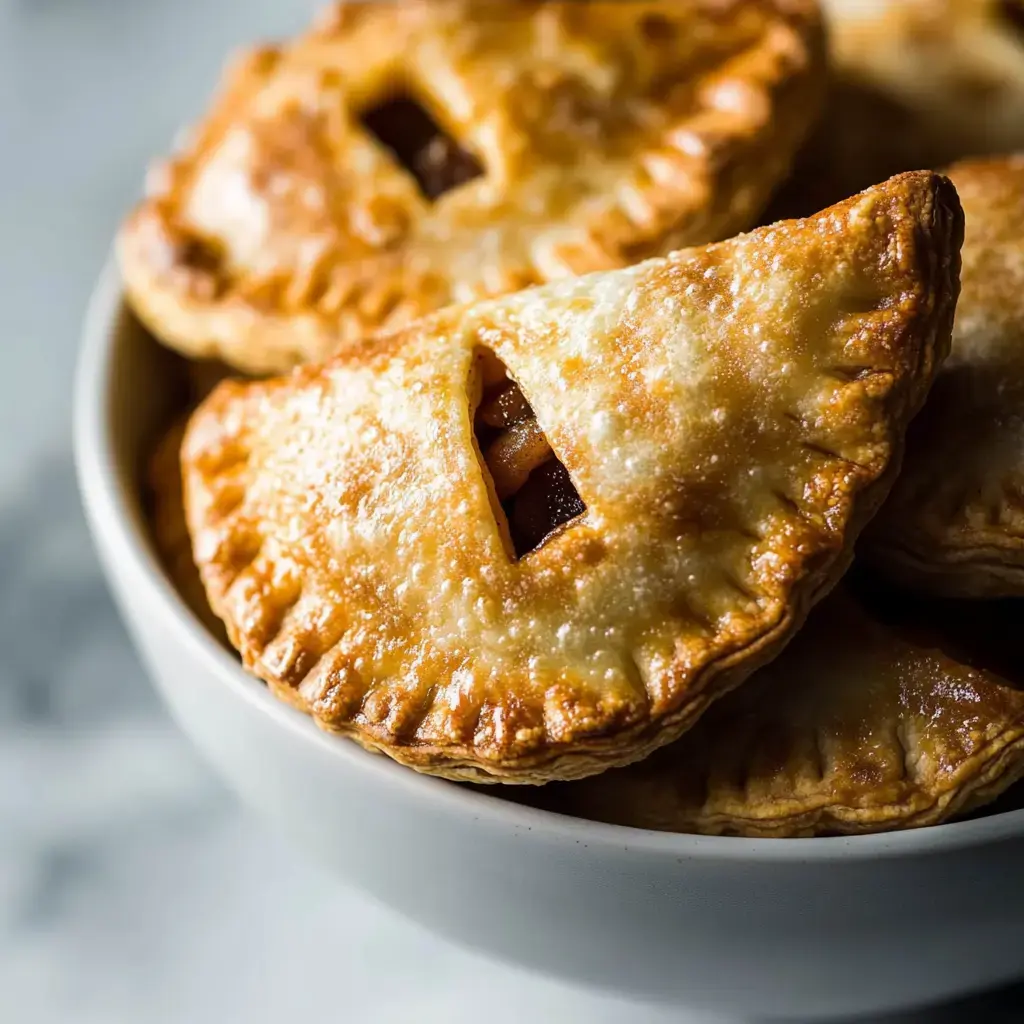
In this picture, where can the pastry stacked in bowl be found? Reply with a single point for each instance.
(530, 467)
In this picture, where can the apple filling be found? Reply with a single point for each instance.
(437, 162)
(531, 484)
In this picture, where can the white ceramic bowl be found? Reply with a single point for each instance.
(812, 927)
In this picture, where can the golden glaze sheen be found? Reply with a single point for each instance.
(608, 132)
(852, 729)
(730, 416)
(955, 522)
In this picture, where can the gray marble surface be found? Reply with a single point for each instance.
(131, 887)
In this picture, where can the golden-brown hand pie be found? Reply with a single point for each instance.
(409, 154)
(854, 728)
(955, 522)
(710, 431)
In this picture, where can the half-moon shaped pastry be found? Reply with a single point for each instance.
(410, 154)
(534, 538)
(954, 525)
(854, 728)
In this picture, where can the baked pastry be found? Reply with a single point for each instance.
(955, 522)
(915, 83)
(534, 538)
(854, 728)
(321, 197)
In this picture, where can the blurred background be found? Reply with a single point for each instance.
(132, 889)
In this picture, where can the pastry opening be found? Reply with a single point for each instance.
(200, 254)
(532, 493)
(437, 162)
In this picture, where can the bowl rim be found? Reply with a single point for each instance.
(108, 508)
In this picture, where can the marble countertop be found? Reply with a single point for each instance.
(132, 889)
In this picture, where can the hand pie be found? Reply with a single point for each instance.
(410, 154)
(534, 538)
(853, 729)
(955, 522)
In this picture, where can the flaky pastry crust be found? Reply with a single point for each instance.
(854, 728)
(730, 417)
(606, 131)
(954, 524)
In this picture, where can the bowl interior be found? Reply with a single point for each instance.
(128, 389)
(147, 386)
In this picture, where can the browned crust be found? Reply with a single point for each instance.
(273, 467)
(853, 729)
(702, 174)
